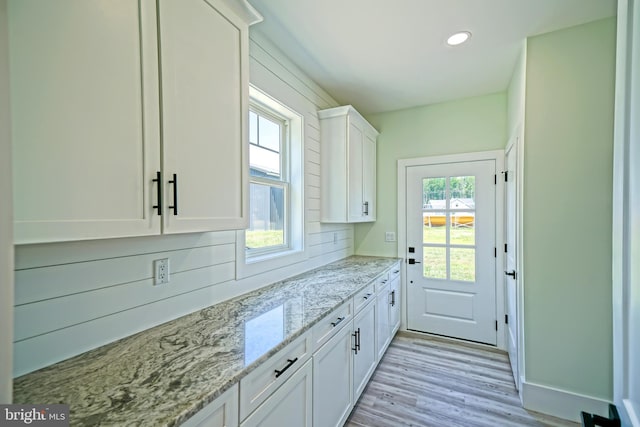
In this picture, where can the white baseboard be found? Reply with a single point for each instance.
(630, 410)
(561, 403)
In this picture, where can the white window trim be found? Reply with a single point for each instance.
(295, 252)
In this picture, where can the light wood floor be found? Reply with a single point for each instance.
(442, 383)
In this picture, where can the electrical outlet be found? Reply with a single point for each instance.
(389, 236)
(161, 271)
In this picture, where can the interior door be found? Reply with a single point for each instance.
(510, 279)
(451, 250)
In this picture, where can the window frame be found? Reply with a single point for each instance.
(260, 109)
(260, 262)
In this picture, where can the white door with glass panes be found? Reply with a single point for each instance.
(451, 224)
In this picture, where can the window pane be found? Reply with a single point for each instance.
(463, 264)
(433, 193)
(269, 134)
(253, 127)
(266, 222)
(435, 262)
(463, 229)
(434, 230)
(264, 162)
(462, 190)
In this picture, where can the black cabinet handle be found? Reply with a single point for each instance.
(366, 296)
(174, 181)
(512, 274)
(281, 371)
(366, 208)
(358, 343)
(355, 342)
(393, 298)
(337, 322)
(159, 192)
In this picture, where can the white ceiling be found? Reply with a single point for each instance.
(383, 55)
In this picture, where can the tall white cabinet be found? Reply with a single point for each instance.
(348, 166)
(110, 99)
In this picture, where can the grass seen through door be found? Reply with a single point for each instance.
(462, 260)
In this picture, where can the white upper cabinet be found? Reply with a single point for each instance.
(204, 81)
(348, 166)
(85, 118)
(92, 118)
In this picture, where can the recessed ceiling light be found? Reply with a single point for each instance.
(458, 38)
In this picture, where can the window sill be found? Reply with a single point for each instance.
(262, 263)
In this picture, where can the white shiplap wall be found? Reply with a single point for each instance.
(72, 297)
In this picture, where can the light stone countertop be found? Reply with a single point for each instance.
(166, 374)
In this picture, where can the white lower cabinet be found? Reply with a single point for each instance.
(332, 369)
(383, 325)
(365, 357)
(222, 412)
(394, 305)
(290, 405)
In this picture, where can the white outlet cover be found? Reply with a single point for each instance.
(389, 236)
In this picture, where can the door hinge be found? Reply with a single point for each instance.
(506, 175)
(506, 319)
(496, 325)
(505, 248)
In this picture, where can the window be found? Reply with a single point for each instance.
(269, 182)
(274, 238)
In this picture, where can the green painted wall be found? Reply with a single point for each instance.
(471, 124)
(568, 208)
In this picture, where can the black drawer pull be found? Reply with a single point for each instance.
(366, 296)
(159, 192)
(174, 181)
(337, 322)
(290, 362)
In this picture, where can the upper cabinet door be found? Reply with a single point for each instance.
(369, 176)
(85, 126)
(355, 144)
(204, 90)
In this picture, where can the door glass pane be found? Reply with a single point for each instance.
(462, 192)
(435, 262)
(434, 193)
(463, 264)
(266, 220)
(434, 229)
(463, 228)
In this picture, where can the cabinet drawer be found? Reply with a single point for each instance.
(329, 325)
(363, 297)
(382, 281)
(394, 272)
(256, 387)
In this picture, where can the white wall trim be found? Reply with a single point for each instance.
(498, 157)
(626, 207)
(6, 218)
(561, 403)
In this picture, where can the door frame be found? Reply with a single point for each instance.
(6, 219)
(518, 140)
(403, 164)
(626, 206)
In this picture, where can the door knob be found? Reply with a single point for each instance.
(413, 261)
(512, 274)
